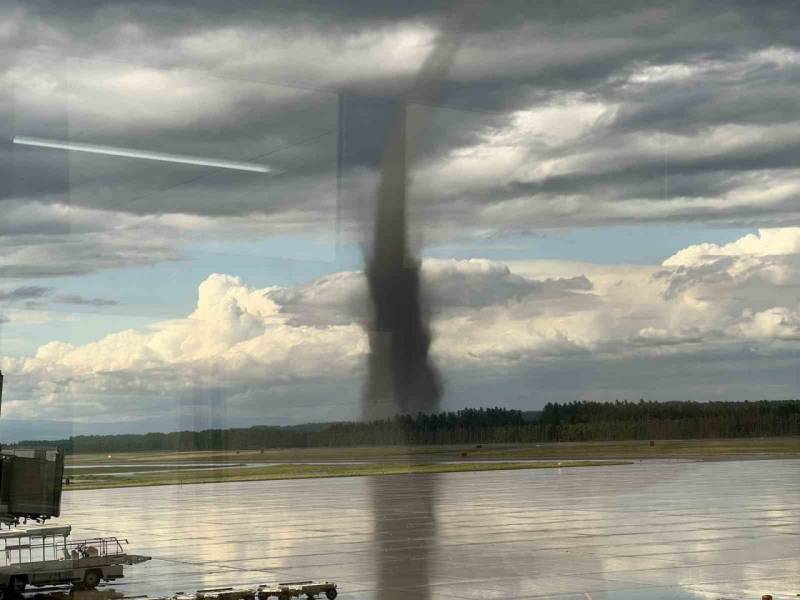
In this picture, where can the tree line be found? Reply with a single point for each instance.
(573, 421)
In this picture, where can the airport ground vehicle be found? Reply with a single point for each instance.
(44, 556)
(282, 591)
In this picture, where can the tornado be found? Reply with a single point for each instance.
(401, 378)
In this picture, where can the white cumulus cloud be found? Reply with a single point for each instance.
(298, 351)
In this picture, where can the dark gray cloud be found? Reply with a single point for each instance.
(78, 255)
(37, 297)
(339, 298)
(695, 104)
(26, 292)
(81, 301)
(449, 286)
(733, 373)
(479, 283)
(49, 240)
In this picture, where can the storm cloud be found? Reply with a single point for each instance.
(549, 117)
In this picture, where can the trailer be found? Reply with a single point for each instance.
(281, 591)
(309, 589)
(44, 556)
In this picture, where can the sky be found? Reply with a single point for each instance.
(605, 203)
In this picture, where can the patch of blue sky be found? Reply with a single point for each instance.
(23, 338)
(644, 244)
(168, 290)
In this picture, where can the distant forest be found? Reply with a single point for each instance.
(574, 421)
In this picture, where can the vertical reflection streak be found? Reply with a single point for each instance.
(405, 533)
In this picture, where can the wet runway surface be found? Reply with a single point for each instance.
(652, 530)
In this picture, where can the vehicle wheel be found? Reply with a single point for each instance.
(310, 596)
(91, 579)
(331, 594)
(17, 585)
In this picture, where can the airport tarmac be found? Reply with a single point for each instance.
(650, 530)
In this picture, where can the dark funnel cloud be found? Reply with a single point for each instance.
(401, 378)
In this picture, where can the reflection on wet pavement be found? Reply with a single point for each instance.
(403, 510)
(76, 594)
(652, 530)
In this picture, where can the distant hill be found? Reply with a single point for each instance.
(574, 421)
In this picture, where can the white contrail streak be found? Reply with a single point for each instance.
(143, 154)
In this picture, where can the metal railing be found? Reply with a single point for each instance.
(103, 546)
